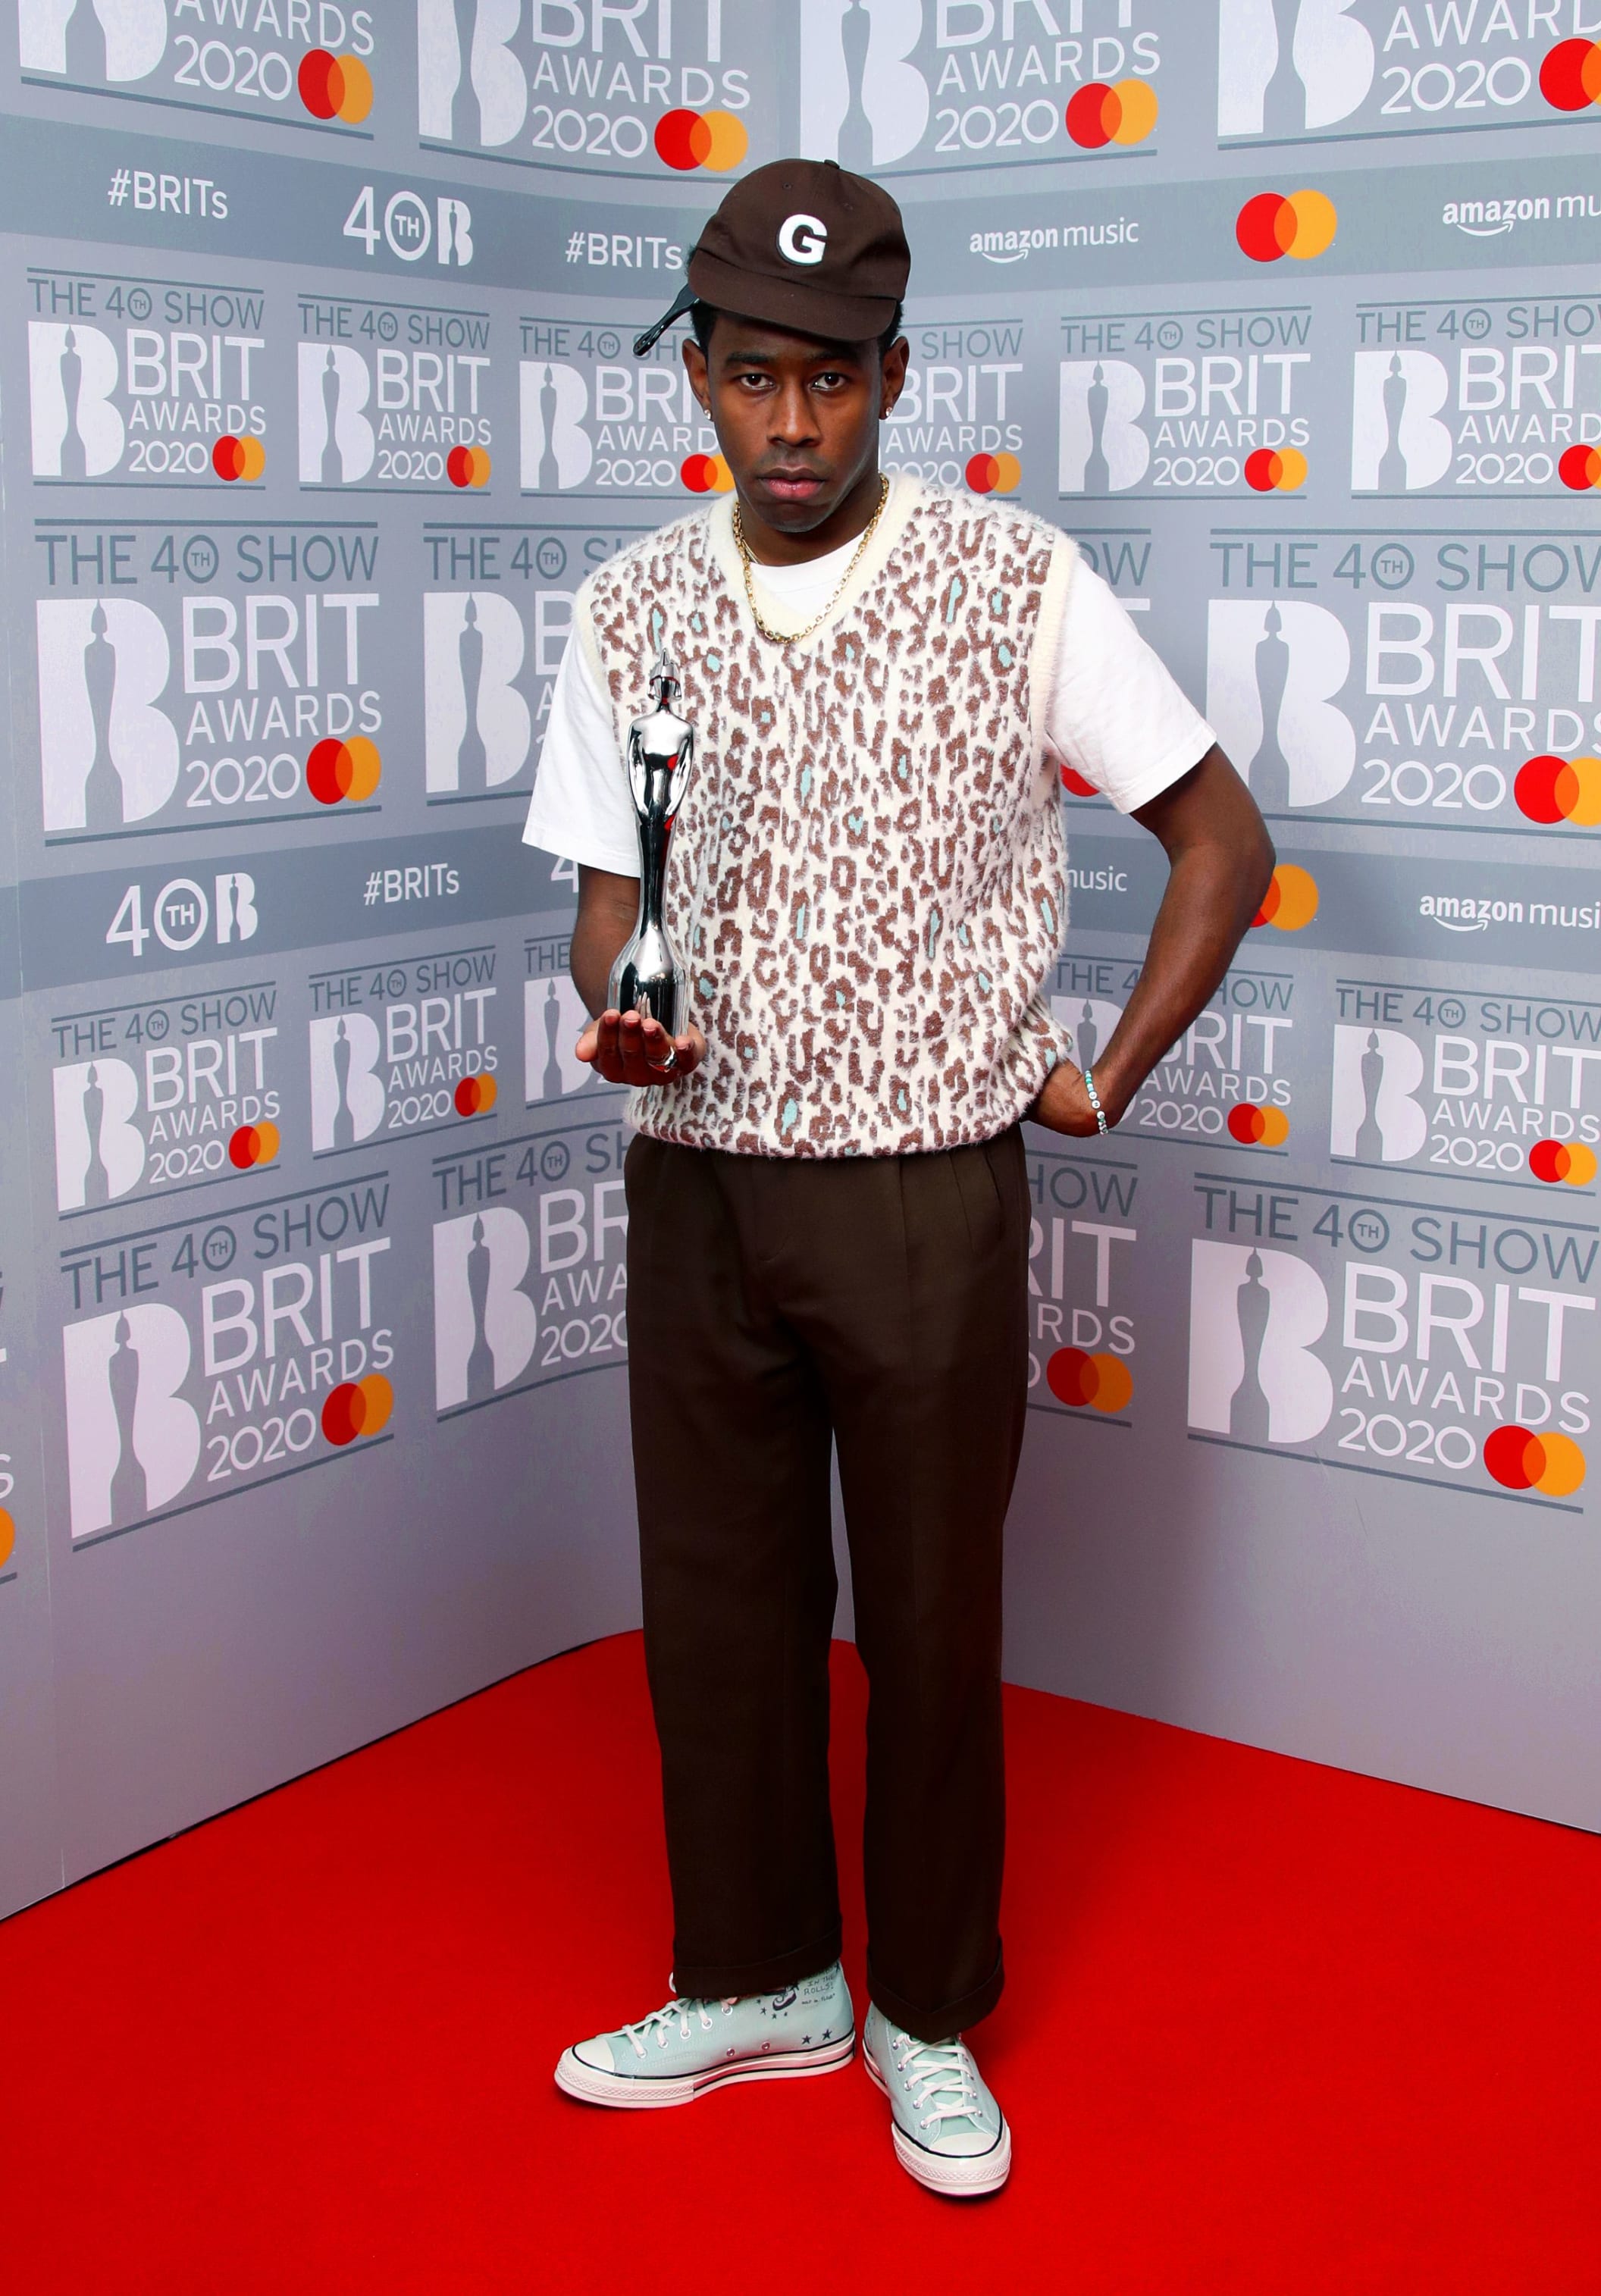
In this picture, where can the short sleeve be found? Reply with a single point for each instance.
(1115, 712)
(581, 810)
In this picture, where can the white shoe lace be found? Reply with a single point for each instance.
(942, 2075)
(660, 2023)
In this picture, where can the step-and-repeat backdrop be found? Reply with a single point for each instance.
(319, 404)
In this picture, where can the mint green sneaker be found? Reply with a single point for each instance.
(949, 2132)
(678, 2053)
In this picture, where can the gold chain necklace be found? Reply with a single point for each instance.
(793, 637)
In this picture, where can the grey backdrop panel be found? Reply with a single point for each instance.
(313, 1305)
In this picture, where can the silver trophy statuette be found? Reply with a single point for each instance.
(648, 977)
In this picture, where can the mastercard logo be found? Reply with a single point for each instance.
(706, 474)
(468, 466)
(358, 1406)
(8, 1536)
(1104, 1382)
(1570, 78)
(475, 1095)
(1562, 1160)
(1580, 468)
(336, 770)
(1270, 225)
(335, 87)
(234, 457)
(1122, 113)
(1560, 789)
(1076, 785)
(1258, 1127)
(252, 1144)
(1275, 469)
(1521, 1461)
(685, 140)
(994, 474)
(1291, 900)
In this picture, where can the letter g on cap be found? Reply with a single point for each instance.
(803, 239)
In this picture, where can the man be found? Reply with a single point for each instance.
(829, 1224)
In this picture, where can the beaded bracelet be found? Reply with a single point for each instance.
(1094, 1101)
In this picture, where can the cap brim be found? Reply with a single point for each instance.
(792, 304)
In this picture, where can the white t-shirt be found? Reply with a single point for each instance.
(1115, 714)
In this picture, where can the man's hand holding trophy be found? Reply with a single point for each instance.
(644, 1036)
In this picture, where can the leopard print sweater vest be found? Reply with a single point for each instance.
(868, 877)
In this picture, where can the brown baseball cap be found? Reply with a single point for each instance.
(802, 244)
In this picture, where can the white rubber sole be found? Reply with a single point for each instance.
(642, 2093)
(957, 2179)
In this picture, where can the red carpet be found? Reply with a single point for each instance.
(1270, 2029)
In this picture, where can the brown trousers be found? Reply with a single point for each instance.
(775, 1304)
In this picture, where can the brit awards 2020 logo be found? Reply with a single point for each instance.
(1500, 1085)
(226, 1382)
(1163, 402)
(1375, 1116)
(1395, 1338)
(1297, 70)
(491, 654)
(1103, 447)
(204, 705)
(402, 1047)
(191, 1092)
(176, 398)
(885, 84)
(1488, 394)
(412, 412)
(641, 89)
(959, 420)
(557, 452)
(595, 424)
(1451, 683)
(300, 60)
(1232, 1076)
